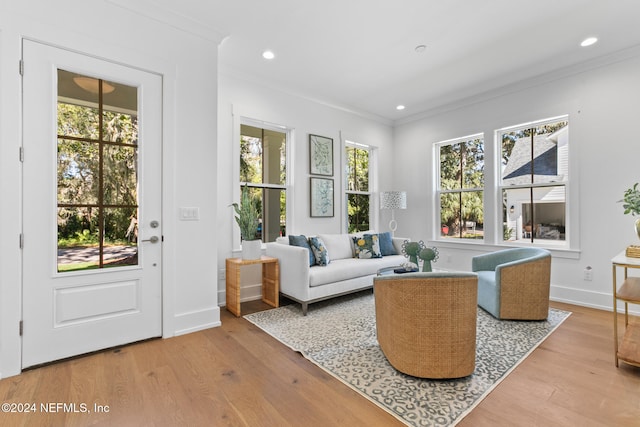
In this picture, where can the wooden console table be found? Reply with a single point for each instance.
(270, 281)
(629, 292)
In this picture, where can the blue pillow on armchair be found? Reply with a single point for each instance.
(303, 242)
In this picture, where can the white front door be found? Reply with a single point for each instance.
(92, 231)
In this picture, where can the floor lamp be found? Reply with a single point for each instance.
(393, 200)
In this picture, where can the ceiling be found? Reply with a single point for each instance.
(360, 55)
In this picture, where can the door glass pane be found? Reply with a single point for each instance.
(97, 182)
(120, 180)
(78, 170)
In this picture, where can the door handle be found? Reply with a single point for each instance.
(152, 239)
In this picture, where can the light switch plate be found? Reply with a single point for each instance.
(189, 214)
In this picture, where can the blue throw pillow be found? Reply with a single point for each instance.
(367, 246)
(386, 244)
(319, 250)
(304, 243)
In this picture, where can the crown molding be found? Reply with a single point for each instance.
(582, 67)
(170, 17)
(242, 75)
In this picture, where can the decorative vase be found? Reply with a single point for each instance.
(637, 227)
(251, 249)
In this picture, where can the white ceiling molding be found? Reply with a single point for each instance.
(582, 67)
(241, 75)
(171, 18)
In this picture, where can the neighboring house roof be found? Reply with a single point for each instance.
(545, 161)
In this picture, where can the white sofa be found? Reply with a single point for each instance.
(344, 274)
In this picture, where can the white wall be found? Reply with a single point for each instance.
(254, 101)
(187, 58)
(603, 103)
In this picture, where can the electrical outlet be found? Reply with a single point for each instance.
(222, 274)
(588, 273)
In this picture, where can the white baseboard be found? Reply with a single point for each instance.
(194, 321)
(247, 293)
(584, 298)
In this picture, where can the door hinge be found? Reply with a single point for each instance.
(21, 154)
(21, 67)
(21, 327)
(21, 241)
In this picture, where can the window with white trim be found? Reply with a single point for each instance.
(358, 189)
(460, 192)
(263, 168)
(534, 179)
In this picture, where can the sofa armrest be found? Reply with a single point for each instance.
(293, 263)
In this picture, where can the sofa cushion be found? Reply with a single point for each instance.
(338, 245)
(320, 251)
(303, 242)
(367, 246)
(386, 244)
(351, 268)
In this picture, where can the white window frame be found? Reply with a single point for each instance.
(239, 120)
(373, 184)
(566, 182)
(439, 191)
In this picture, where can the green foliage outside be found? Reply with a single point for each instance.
(78, 177)
(357, 180)
(462, 172)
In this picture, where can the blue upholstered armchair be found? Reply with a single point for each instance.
(514, 283)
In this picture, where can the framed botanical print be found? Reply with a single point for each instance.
(320, 155)
(321, 197)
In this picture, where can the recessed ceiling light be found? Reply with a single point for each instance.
(400, 107)
(589, 41)
(267, 54)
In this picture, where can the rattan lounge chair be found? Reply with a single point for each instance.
(514, 283)
(426, 322)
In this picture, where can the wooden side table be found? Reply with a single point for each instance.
(270, 281)
(629, 292)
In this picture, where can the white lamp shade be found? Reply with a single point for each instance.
(393, 200)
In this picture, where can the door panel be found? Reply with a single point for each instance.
(92, 137)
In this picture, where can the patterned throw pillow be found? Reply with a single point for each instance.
(386, 244)
(367, 246)
(303, 242)
(320, 251)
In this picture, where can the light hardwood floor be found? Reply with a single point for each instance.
(237, 375)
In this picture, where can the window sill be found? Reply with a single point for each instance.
(556, 252)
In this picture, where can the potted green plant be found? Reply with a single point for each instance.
(247, 219)
(631, 204)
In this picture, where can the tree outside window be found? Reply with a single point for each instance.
(461, 188)
(358, 192)
(263, 170)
